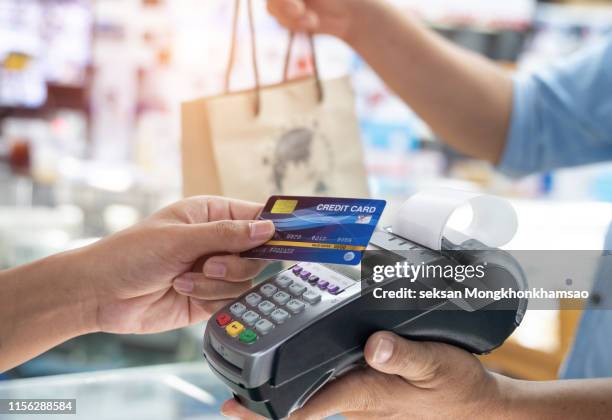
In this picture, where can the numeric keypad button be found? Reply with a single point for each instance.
(266, 307)
(311, 297)
(296, 306)
(237, 309)
(279, 315)
(264, 326)
(283, 282)
(297, 289)
(250, 317)
(281, 298)
(268, 289)
(253, 299)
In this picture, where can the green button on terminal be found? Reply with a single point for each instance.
(247, 336)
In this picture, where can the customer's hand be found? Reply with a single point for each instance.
(176, 267)
(332, 17)
(405, 380)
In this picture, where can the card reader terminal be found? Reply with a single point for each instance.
(277, 344)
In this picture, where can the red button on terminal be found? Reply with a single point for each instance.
(223, 319)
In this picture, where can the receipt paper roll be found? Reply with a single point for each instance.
(423, 218)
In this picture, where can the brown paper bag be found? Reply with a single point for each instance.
(299, 137)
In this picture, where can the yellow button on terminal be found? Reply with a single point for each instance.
(234, 329)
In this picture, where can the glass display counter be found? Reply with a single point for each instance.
(165, 392)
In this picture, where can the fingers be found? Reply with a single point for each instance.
(198, 286)
(364, 391)
(220, 208)
(232, 268)
(351, 392)
(294, 15)
(232, 236)
(290, 9)
(204, 209)
(415, 361)
(232, 408)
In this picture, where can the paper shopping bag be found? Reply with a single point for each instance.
(299, 137)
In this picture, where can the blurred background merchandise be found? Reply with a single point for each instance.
(90, 94)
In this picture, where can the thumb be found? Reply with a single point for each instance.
(232, 236)
(414, 361)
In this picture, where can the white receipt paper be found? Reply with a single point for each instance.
(423, 218)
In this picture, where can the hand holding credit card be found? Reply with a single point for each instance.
(319, 229)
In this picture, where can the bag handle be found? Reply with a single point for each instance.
(315, 65)
(232, 56)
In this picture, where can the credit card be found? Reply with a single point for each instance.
(319, 229)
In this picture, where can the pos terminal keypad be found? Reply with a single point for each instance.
(277, 301)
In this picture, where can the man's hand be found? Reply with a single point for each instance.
(176, 267)
(432, 75)
(405, 380)
(333, 17)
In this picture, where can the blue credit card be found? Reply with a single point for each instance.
(318, 229)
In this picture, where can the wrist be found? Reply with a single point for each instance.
(505, 391)
(357, 15)
(364, 21)
(72, 270)
(373, 24)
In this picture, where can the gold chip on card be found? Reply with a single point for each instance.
(284, 206)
